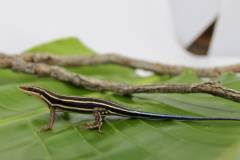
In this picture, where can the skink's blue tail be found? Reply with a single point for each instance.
(154, 116)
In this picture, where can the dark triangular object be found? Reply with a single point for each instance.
(201, 45)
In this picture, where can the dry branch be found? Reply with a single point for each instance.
(59, 73)
(129, 62)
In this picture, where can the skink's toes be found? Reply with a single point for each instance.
(45, 129)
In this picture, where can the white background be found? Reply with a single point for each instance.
(155, 30)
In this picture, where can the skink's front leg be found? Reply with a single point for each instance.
(99, 114)
(52, 118)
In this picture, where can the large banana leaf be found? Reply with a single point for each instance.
(22, 116)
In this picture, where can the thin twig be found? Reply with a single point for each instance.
(59, 73)
(158, 68)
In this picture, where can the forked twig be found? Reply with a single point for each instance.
(59, 73)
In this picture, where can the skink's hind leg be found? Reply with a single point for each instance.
(99, 115)
(52, 118)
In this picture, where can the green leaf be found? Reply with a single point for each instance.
(62, 47)
(230, 80)
(22, 116)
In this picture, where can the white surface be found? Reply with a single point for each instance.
(136, 28)
(104, 25)
(227, 37)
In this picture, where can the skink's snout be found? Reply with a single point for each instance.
(25, 88)
(30, 90)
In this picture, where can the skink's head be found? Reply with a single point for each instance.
(32, 90)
